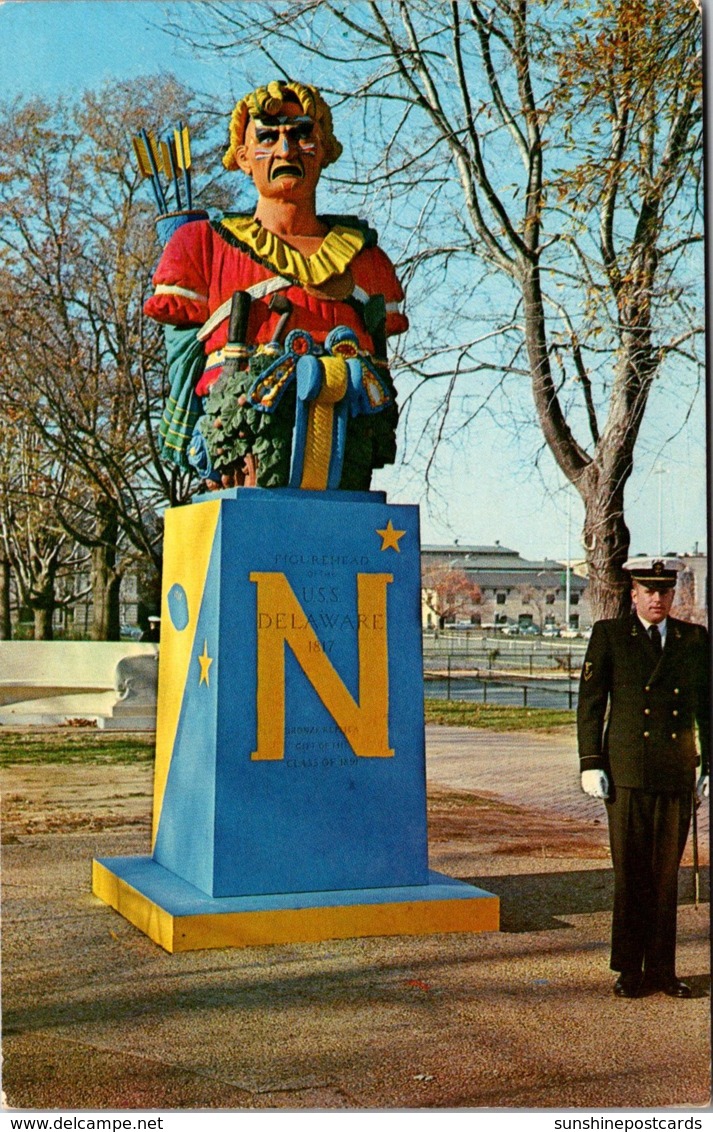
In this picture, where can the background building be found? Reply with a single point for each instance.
(513, 589)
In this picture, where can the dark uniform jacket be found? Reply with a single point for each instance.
(638, 712)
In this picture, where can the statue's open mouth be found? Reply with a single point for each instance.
(287, 170)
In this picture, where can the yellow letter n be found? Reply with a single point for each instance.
(281, 620)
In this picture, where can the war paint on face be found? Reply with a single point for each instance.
(284, 133)
(283, 154)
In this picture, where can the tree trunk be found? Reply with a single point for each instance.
(42, 597)
(569, 455)
(43, 621)
(106, 583)
(600, 479)
(606, 543)
(106, 580)
(5, 618)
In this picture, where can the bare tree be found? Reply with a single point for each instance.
(541, 166)
(36, 548)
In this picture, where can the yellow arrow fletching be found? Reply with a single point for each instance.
(179, 148)
(142, 157)
(166, 159)
(155, 150)
(183, 147)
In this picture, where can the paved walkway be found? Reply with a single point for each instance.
(523, 768)
(95, 1016)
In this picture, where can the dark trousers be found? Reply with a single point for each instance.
(647, 834)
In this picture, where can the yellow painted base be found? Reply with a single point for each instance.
(442, 906)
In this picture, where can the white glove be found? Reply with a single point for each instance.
(702, 788)
(595, 783)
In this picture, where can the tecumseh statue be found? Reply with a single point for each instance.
(283, 378)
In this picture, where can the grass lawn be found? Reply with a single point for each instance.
(73, 745)
(494, 717)
(87, 745)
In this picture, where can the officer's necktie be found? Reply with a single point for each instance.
(655, 635)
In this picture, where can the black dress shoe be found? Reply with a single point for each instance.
(627, 986)
(669, 985)
(675, 988)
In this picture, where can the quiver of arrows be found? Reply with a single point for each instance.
(168, 158)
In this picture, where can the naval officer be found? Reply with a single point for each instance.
(642, 728)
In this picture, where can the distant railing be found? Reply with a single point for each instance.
(526, 672)
(481, 688)
(501, 653)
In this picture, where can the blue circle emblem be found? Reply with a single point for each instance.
(178, 606)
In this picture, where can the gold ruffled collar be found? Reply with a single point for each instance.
(338, 249)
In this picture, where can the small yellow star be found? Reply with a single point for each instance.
(205, 662)
(390, 537)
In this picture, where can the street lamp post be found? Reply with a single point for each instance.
(660, 472)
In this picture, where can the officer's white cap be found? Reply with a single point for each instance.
(654, 571)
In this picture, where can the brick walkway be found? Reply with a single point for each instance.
(523, 768)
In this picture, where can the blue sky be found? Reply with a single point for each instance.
(489, 490)
(52, 47)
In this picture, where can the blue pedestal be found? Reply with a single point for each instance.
(290, 741)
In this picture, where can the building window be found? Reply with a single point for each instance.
(574, 621)
(500, 598)
(500, 619)
(574, 599)
(550, 599)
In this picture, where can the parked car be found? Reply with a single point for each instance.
(529, 631)
(550, 631)
(130, 633)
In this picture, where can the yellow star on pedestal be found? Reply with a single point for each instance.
(390, 537)
(205, 662)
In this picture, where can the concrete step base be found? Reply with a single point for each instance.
(179, 917)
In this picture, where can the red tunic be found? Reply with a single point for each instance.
(200, 269)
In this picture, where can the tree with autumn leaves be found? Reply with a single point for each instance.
(84, 371)
(448, 592)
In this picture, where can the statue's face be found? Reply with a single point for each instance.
(283, 155)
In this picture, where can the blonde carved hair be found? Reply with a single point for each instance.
(267, 100)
